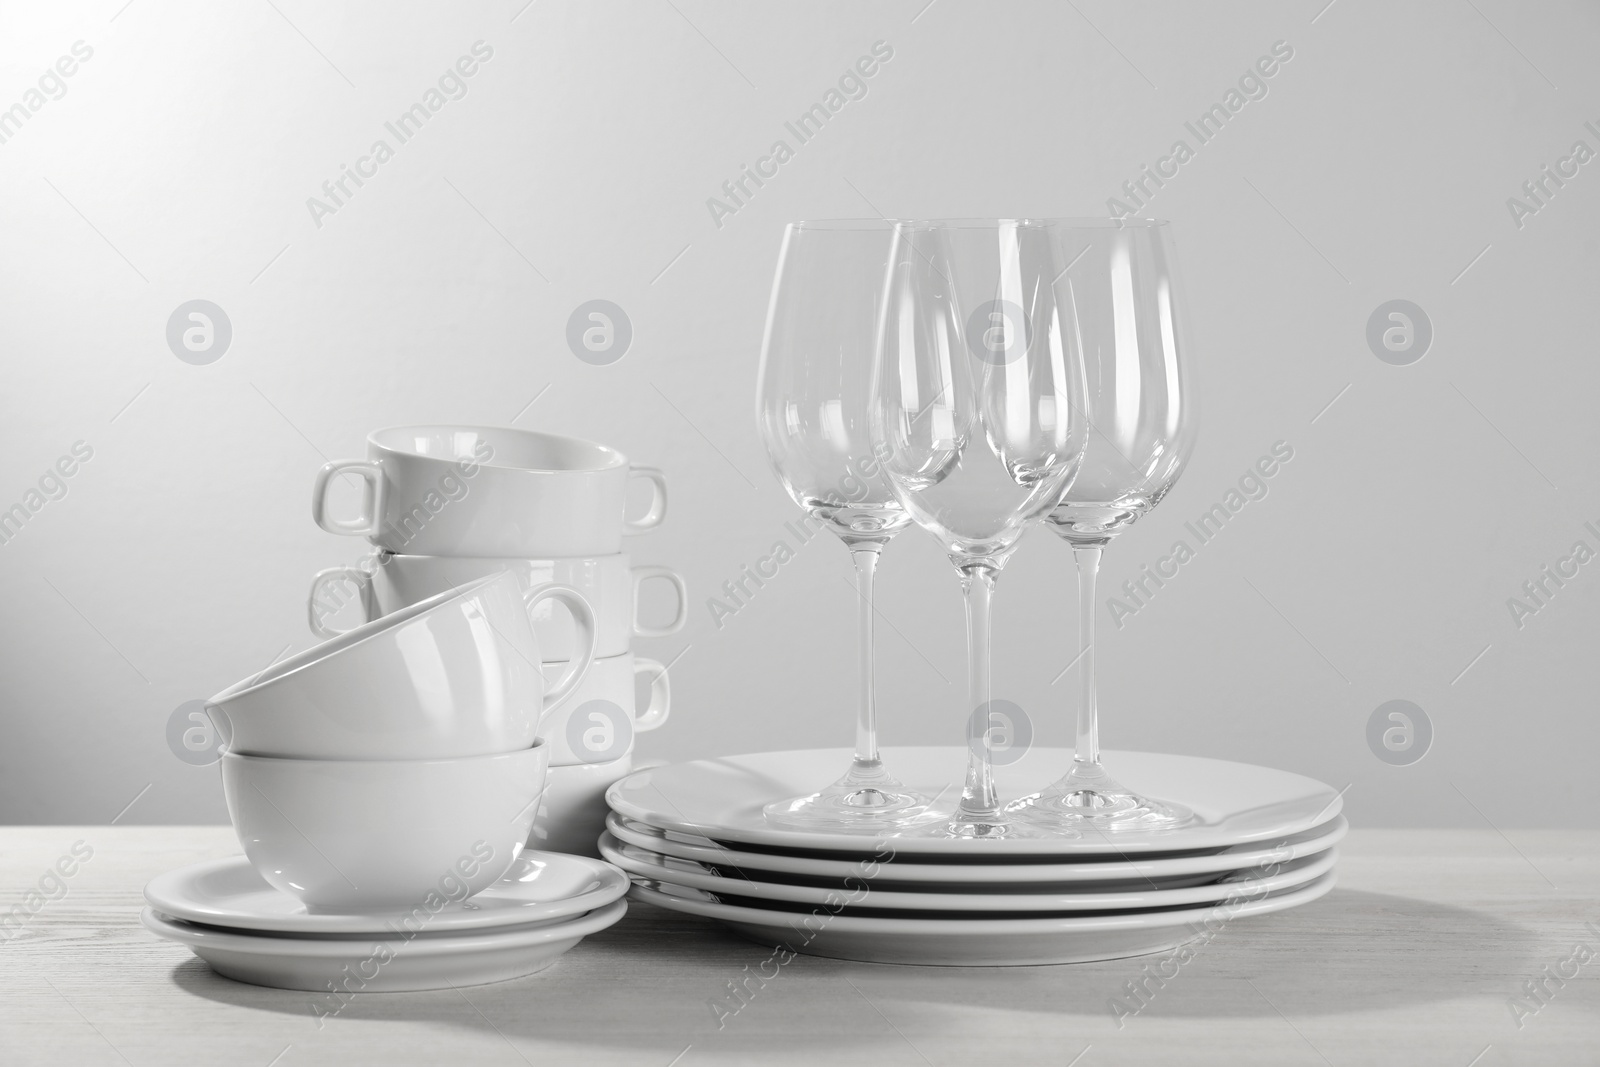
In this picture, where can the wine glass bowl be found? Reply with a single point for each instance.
(979, 426)
(1122, 285)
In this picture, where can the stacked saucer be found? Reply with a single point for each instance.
(247, 930)
(694, 839)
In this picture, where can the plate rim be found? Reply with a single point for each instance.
(1109, 870)
(776, 836)
(1304, 894)
(191, 937)
(330, 923)
(1316, 865)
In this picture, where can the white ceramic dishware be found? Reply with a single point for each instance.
(538, 887)
(362, 835)
(610, 584)
(598, 721)
(441, 490)
(572, 808)
(869, 891)
(1161, 870)
(426, 961)
(457, 674)
(973, 942)
(722, 799)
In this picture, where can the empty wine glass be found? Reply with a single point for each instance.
(816, 373)
(977, 413)
(1121, 293)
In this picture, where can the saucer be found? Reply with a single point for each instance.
(863, 892)
(974, 942)
(722, 799)
(382, 965)
(539, 887)
(1165, 871)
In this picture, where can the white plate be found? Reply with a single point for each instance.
(974, 942)
(541, 886)
(1167, 872)
(382, 965)
(865, 892)
(1235, 803)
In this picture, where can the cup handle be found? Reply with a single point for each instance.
(583, 619)
(658, 502)
(640, 576)
(660, 694)
(325, 579)
(372, 498)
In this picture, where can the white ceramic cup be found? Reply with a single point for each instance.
(608, 583)
(362, 835)
(597, 722)
(457, 674)
(489, 491)
(572, 808)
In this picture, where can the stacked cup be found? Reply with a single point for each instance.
(444, 505)
(363, 771)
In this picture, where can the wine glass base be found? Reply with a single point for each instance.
(991, 826)
(1090, 799)
(866, 800)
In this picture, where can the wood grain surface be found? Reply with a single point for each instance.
(1417, 957)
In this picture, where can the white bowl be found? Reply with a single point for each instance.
(457, 674)
(357, 835)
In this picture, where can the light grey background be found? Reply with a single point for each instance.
(178, 164)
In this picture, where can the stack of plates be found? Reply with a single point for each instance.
(247, 930)
(693, 838)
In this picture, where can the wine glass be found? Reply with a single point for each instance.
(1121, 288)
(811, 408)
(977, 412)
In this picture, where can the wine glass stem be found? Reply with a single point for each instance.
(978, 800)
(865, 557)
(1087, 558)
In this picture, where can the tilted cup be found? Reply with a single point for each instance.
(610, 584)
(364, 835)
(456, 674)
(489, 491)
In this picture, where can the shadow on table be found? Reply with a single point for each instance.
(638, 985)
(1349, 952)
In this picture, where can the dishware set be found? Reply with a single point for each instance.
(975, 377)
(386, 784)
(972, 377)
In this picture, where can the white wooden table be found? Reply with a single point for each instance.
(1415, 958)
